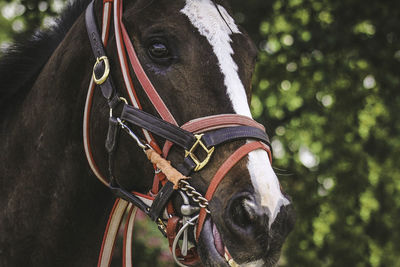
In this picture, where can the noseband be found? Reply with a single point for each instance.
(205, 134)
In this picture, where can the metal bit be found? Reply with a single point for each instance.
(185, 241)
(184, 209)
(188, 210)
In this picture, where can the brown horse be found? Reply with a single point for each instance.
(200, 62)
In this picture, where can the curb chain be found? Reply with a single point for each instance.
(196, 196)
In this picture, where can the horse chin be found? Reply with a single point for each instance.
(211, 248)
(213, 252)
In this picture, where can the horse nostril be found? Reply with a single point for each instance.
(243, 211)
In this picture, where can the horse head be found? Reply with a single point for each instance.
(177, 77)
(201, 63)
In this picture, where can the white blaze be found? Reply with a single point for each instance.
(206, 18)
(266, 183)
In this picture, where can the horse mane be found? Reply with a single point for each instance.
(22, 62)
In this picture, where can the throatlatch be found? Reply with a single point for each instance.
(205, 134)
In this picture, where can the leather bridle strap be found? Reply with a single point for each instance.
(186, 139)
(147, 86)
(221, 173)
(111, 232)
(89, 97)
(214, 122)
(120, 205)
(128, 234)
(102, 66)
(125, 71)
(109, 92)
(219, 121)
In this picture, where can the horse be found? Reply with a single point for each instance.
(200, 62)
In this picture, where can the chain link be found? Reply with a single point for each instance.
(196, 196)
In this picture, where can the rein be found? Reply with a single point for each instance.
(204, 134)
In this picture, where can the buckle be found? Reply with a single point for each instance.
(199, 164)
(104, 77)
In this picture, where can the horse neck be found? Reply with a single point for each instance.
(53, 209)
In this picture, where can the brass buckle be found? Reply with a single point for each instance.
(190, 153)
(103, 78)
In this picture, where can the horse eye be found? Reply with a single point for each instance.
(158, 51)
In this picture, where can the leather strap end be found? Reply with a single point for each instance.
(162, 164)
(161, 201)
(113, 130)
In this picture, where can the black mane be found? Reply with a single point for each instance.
(22, 62)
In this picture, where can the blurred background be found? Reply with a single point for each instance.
(327, 87)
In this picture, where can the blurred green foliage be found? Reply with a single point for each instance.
(20, 18)
(327, 86)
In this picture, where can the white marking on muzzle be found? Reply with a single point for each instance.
(257, 263)
(266, 183)
(206, 18)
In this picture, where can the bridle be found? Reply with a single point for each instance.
(204, 134)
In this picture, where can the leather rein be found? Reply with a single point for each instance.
(205, 134)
